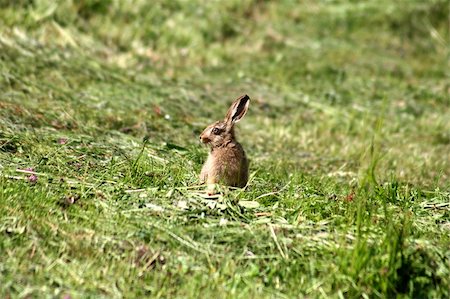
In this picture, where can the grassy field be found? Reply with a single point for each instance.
(348, 132)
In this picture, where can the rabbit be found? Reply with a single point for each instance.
(227, 163)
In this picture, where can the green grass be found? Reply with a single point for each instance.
(348, 134)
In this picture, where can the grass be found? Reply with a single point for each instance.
(347, 132)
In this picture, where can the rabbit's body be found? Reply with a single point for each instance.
(227, 163)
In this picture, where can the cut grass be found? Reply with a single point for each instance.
(347, 134)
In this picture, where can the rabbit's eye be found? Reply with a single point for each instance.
(216, 131)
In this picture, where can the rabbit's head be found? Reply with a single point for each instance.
(222, 132)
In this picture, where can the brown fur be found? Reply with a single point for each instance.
(227, 163)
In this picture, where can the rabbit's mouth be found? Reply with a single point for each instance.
(205, 140)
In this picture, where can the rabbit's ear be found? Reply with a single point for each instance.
(237, 110)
